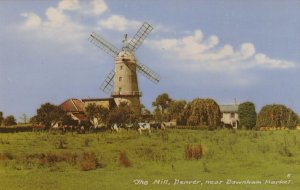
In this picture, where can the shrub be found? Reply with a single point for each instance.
(247, 115)
(123, 160)
(89, 161)
(193, 152)
(277, 116)
(204, 112)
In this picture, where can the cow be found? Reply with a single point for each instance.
(169, 124)
(128, 126)
(144, 127)
(157, 125)
(115, 127)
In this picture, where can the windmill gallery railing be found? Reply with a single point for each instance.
(129, 93)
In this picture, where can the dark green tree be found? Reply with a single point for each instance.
(247, 115)
(122, 114)
(9, 120)
(175, 110)
(144, 110)
(1, 118)
(97, 114)
(204, 112)
(162, 102)
(276, 116)
(185, 114)
(49, 115)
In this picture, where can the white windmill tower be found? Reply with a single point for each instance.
(122, 82)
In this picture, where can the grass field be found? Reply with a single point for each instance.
(92, 161)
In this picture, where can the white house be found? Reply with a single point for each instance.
(230, 115)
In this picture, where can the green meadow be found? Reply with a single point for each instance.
(227, 159)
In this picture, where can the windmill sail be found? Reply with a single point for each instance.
(103, 44)
(147, 72)
(123, 58)
(140, 36)
(108, 83)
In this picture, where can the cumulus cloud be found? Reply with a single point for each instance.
(57, 26)
(99, 6)
(118, 22)
(68, 5)
(195, 52)
(262, 59)
(32, 21)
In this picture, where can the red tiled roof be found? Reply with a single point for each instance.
(80, 116)
(72, 105)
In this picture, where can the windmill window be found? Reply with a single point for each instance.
(120, 89)
(121, 67)
(120, 79)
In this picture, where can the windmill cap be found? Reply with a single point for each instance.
(125, 55)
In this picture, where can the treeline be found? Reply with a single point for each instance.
(206, 113)
(7, 121)
(202, 113)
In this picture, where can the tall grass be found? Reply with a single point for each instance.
(174, 153)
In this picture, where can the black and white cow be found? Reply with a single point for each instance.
(144, 127)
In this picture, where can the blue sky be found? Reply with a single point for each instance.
(248, 50)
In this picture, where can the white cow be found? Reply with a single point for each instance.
(115, 127)
(144, 127)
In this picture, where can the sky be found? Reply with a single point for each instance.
(225, 50)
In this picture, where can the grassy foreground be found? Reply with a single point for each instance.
(267, 159)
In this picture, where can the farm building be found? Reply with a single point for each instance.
(105, 102)
(230, 115)
(74, 108)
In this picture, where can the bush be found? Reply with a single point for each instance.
(247, 115)
(193, 152)
(89, 161)
(123, 160)
(277, 116)
(9, 120)
(204, 112)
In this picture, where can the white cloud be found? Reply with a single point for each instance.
(247, 50)
(56, 27)
(55, 17)
(262, 59)
(118, 22)
(197, 53)
(68, 5)
(99, 7)
(32, 21)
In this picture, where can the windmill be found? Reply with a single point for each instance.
(122, 81)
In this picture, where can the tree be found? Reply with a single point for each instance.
(49, 115)
(97, 114)
(185, 114)
(175, 109)
(247, 115)
(276, 116)
(122, 114)
(161, 102)
(9, 120)
(144, 110)
(1, 118)
(204, 112)
(24, 118)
